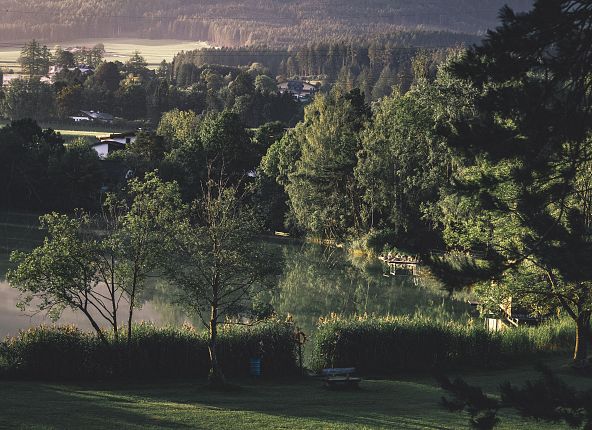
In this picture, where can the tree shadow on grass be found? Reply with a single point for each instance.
(45, 406)
(289, 404)
(381, 404)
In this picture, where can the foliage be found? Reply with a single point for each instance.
(144, 154)
(66, 353)
(34, 59)
(63, 58)
(75, 178)
(481, 408)
(215, 263)
(107, 74)
(548, 399)
(28, 98)
(178, 127)
(136, 65)
(217, 141)
(404, 163)
(132, 91)
(374, 65)
(39, 173)
(388, 345)
(68, 101)
(91, 266)
(522, 197)
(315, 163)
(63, 271)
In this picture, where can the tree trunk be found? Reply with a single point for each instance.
(130, 319)
(580, 357)
(113, 301)
(94, 324)
(216, 377)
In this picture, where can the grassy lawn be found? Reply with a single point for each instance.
(405, 403)
(71, 135)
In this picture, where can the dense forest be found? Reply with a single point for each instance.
(375, 67)
(279, 23)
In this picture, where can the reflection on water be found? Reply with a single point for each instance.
(315, 282)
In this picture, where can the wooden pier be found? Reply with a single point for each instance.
(403, 263)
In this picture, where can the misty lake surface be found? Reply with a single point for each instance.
(315, 282)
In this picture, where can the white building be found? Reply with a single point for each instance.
(83, 68)
(91, 115)
(114, 142)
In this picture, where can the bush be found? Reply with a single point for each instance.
(388, 345)
(68, 353)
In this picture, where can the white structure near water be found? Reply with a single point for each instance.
(114, 142)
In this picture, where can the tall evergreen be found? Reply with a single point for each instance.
(35, 59)
(524, 199)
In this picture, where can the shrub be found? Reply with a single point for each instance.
(68, 353)
(387, 345)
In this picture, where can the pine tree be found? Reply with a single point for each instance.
(34, 59)
(524, 197)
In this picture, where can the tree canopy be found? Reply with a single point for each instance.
(523, 196)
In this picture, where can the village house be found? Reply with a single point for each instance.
(91, 115)
(301, 90)
(83, 68)
(106, 145)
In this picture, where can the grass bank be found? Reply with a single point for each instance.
(405, 403)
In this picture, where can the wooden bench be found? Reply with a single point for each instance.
(340, 377)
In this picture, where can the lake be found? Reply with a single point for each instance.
(315, 282)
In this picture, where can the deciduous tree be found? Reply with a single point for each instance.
(217, 263)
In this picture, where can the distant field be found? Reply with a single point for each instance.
(8, 57)
(154, 51)
(83, 132)
(70, 135)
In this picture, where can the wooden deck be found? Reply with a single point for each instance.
(401, 262)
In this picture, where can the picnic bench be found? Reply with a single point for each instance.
(340, 377)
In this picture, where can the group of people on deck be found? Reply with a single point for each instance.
(401, 258)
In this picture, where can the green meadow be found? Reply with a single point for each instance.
(409, 402)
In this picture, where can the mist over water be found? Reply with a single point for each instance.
(315, 282)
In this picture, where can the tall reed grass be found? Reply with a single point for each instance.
(389, 345)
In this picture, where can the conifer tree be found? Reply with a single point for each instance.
(524, 198)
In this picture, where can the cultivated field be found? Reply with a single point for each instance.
(8, 58)
(154, 51)
(91, 131)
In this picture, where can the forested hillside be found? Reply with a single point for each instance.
(375, 67)
(278, 23)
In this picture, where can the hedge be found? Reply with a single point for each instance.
(65, 352)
